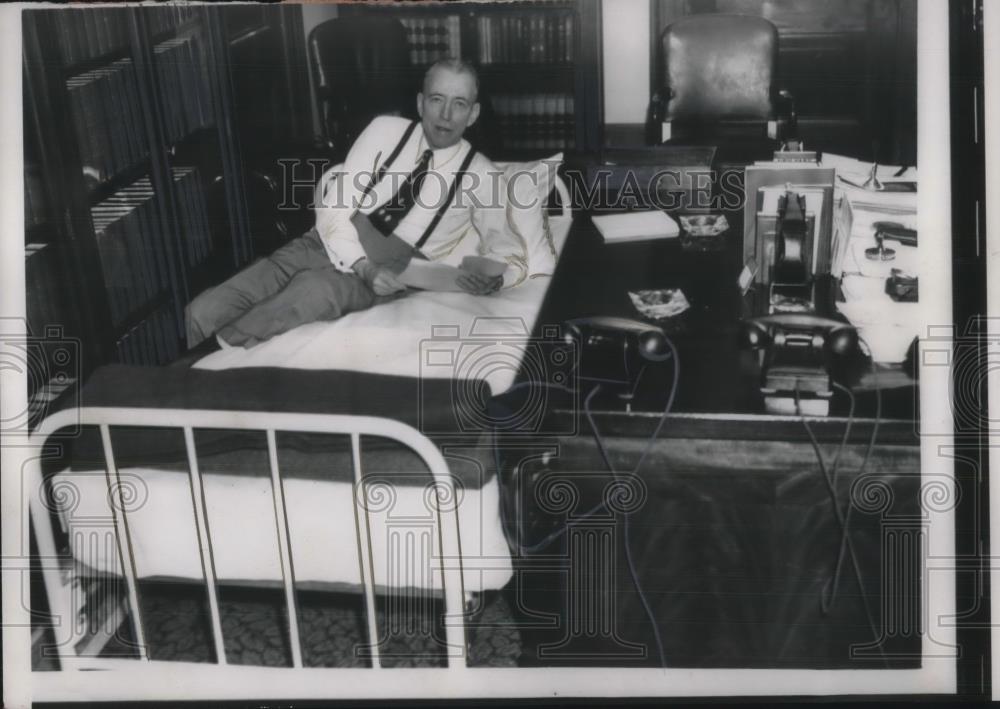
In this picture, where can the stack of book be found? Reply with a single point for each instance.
(85, 34)
(535, 121)
(131, 248)
(181, 71)
(107, 119)
(542, 38)
(193, 214)
(433, 38)
(155, 340)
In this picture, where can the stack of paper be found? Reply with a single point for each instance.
(858, 170)
(636, 226)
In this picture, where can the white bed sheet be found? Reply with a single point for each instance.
(321, 523)
(399, 337)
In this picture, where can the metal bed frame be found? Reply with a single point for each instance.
(60, 589)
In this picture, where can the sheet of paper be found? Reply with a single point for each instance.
(636, 226)
(427, 275)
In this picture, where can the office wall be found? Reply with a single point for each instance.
(626, 60)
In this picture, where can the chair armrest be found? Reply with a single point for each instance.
(656, 114)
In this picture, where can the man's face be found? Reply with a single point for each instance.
(447, 106)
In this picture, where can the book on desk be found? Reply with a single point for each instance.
(635, 226)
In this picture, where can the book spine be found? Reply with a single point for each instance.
(110, 112)
(201, 209)
(497, 45)
(165, 79)
(570, 114)
(97, 126)
(140, 293)
(123, 128)
(118, 276)
(177, 92)
(63, 37)
(88, 34)
(408, 23)
(129, 127)
(568, 38)
(152, 206)
(79, 120)
(144, 246)
(421, 41)
(455, 36)
(107, 254)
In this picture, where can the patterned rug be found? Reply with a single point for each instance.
(332, 628)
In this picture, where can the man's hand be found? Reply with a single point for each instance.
(379, 279)
(478, 284)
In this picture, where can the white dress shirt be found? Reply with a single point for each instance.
(476, 211)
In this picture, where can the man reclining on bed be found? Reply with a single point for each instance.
(406, 191)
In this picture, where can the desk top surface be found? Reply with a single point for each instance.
(717, 376)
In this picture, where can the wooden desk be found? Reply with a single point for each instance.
(733, 528)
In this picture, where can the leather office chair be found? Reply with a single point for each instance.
(717, 81)
(361, 69)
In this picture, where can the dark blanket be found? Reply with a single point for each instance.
(428, 405)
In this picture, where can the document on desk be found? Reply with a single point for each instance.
(858, 170)
(636, 226)
(897, 196)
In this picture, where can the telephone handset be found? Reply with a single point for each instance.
(800, 354)
(835, 338)
(615, 351)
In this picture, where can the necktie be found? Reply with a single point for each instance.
(387, 217)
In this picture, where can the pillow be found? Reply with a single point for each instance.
(527, 187)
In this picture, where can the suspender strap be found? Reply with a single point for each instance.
(384, 168)
(451, 195)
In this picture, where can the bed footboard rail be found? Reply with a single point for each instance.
(445, 554)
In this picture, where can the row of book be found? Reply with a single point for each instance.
(432, 38)
(533, 121)
(541, 38)
(168, 17)
(194, 222)
(155, 340)
(86, 33)
(132, 248)
(183, 80)
(107, 118)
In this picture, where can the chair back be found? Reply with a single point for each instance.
(361, 69)
(719, 66)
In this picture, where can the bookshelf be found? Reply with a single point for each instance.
(131, 202)
(539, 67)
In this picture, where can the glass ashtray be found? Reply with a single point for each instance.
(704, 224)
